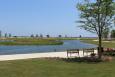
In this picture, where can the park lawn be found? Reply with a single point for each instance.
(30, 41)
(110, 44)
(55, 68)
(75, 38)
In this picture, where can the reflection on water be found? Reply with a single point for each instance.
(68, 44)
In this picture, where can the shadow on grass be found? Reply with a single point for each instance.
(78, 59)
(83, 59)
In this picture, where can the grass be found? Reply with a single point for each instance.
(55, 68)
(30, 41)
(51, 41)
(36, 41)
(110, 44)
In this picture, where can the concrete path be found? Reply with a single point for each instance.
(38, 55)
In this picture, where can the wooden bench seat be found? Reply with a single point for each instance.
(72, 51)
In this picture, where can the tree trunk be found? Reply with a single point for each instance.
(100, 47)
(100, 31)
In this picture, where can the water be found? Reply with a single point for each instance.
(68, 44)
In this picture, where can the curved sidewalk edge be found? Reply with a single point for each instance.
(62, 54)
(33, 55)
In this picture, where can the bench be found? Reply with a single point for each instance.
(72, 51)
(88, 51)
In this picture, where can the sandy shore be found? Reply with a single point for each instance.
(38, 55)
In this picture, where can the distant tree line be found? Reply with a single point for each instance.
(45, 36)
(9, 35)
(6, 35)
(36, 36)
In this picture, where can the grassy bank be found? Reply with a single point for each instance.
(55, 68)
(35, 41)
(51, 41)
(29, 41)
(107, 44)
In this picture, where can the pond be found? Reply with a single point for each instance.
(68, 44)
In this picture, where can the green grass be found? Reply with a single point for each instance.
(30, 41)
(37, 41)
(110, 44)
(75, 38)
(55, 68)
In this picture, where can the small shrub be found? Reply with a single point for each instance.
(109, 53)
(84, 59)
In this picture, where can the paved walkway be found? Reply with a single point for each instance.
(37, 55)
(32, 55)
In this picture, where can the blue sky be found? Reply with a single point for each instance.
(53, 17)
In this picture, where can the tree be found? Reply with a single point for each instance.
(80, 36)
(41, 36)
(0, 33)
(105, 33)
(37, 36)
(96, 17)
(10, 35)
(60, 36)
(47, 36)
(6, 35)
(32, 36)
(113, 34)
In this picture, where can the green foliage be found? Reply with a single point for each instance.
(105, 33)
(32, 35)
(10, 35)
(6, 35)
(96, 16)
(48, 36)
(0, 33)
